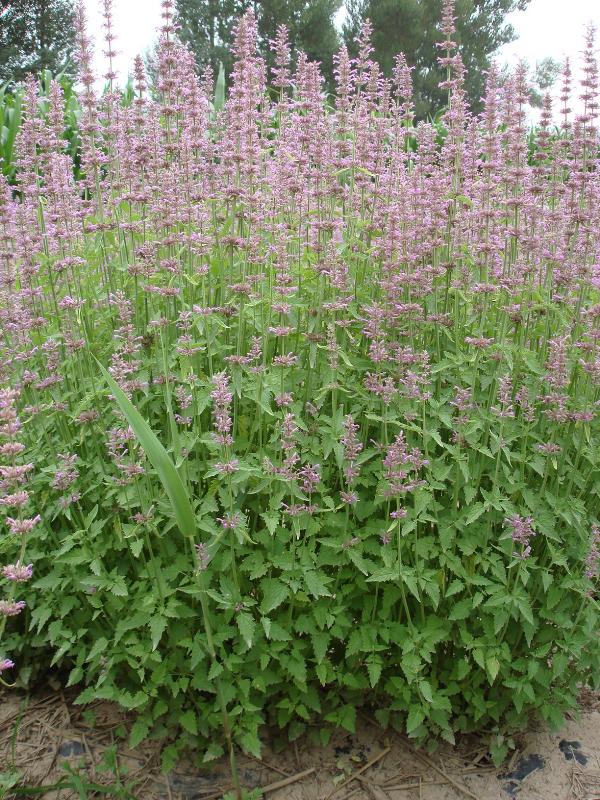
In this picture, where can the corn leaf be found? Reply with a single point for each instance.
(158, 457)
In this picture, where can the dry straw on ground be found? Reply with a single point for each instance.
(46, 732)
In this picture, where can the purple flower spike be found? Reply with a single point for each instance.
(11, 608)
(18, 572)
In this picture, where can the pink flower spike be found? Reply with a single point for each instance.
(22, 526)
(18, 572)
(11, 608)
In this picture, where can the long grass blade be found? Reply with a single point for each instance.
(158, 457)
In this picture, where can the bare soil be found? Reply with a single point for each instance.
(44, 735)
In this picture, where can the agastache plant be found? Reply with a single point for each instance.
(14, 499)
(368, 348)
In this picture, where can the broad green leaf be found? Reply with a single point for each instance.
(346, 718)
(320, 641)
(384, 575)
(475, 512)
(374, 669)
(425, 689)
(169, 758)
(212, 752)
(455, 587)
(215, 670)
(297, 668)
(271, 520)
(525, 609)
(278, 633)
(410, 580)
(321, 671)
(251, 743)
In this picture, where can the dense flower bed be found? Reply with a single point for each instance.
(371, 353)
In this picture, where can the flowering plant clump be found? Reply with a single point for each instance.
(349, 451)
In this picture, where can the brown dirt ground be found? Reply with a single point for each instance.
(370, 765)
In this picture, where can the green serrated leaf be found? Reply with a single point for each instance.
(315, 585)
(212, 752)
(320, 640)
(474, 513)
(139, 731)
(374, 668)
(215, 670)
(462, 609)
(187, 720)
(274, 593)
(493, 666)
(415, 718)
(425, 689)
(169, 758)
(157, 628)
(247, 626)
(346, 718)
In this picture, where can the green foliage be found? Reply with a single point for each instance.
(36, 35)
(236, 321)
(442, 627)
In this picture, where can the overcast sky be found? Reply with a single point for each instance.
(551, 28)
(548, 28)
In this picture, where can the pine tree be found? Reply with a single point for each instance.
(35, 35)
(411, 27)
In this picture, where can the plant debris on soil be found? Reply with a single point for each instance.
(46, 741)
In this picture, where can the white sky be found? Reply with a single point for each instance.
(551, 28)
(136, 23)
(548, 28)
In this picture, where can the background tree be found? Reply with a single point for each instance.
(544, 76)
(206, 26)
(411, 27)
(310, 24)
(35, 35)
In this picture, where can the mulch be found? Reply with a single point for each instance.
(44, 735)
